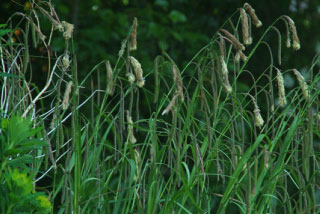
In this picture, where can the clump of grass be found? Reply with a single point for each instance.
(216, 152)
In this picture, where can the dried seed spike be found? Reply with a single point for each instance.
(257, 117)
(65, 103)
(288, 40)
(224, 67)
(302, 83)
(242, 56)
(258, 120)
(131, 78)
(253, 15)
(66, 61)
(222, 45)
(133, 42)
(169, 107)
(247, 40)
(235, 42)
(138, 71)
(68, 30)
(110, 88)
(132, 138)
(281, 90)
(178, 81)
(293, 30)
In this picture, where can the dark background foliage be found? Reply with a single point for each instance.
(180, 27)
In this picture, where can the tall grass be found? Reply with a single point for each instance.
(173, 140)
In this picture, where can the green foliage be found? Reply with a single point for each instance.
(17, 140)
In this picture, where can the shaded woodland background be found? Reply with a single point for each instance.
(179, 27)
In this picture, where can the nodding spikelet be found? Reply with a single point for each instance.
(234, 41)
(288, 41)
(281, 91)
(178, 81)
(132, 138)
(133, 41)
(247, 40)
(65, 102)
(293, 30)
(68, 30)
(302, 83)
(224, 67)
(258, 120)
(131, 78)
(137, 159)
(66, 61)
(222, 46)
(240, 55)
(110, 88)
(253, 15)
(171, 104)
(226, 83)
(138, 71)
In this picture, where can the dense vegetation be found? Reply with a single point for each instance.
(206, 135)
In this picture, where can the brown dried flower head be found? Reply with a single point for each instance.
(234, 41)
(303, 84)
(177, 79)
(253, 15)
(293, 30)
(281, 91)
(132, 138)
(65, 102)
(247, 40)
(131, 78)
(66, 61)
(170, 105)
(68, 30)
(133, 42)
(138, 71)
(110, 88)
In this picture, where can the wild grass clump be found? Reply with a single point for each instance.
(113, 147)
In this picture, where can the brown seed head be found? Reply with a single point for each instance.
(302, 83)
(247, 40)
(68, 30)
(253, 15)
(133, 41)
(177, 79)
(65, 102)
(138, 71)
(110, 88)
(234, 41)
(293, 30)
(281, 91)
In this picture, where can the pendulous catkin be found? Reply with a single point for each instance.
(293, 30)
(258, 120)
(110, 87)
(171, 104)
(177, 79)
(253, 15)
(65, 102)
(247, 39)
(133, 41)
(132, 138)
(68, 30)
(302, 83)
(234, 41)
(138, 71)
(281, 91)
